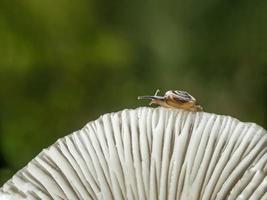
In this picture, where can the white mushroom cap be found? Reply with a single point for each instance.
(150, 154)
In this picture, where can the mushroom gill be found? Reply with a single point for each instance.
(147, 153)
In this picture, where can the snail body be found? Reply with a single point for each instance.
(175, 99)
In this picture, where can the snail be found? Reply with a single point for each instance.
(175, 99)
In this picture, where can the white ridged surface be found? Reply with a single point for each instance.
(150, 154)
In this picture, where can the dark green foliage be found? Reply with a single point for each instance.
(64, 63)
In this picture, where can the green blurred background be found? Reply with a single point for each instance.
(64, 63)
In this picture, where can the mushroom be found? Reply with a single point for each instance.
(150, 153)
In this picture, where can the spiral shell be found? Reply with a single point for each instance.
(151, 154)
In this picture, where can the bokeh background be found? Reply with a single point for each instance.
(64, 63)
